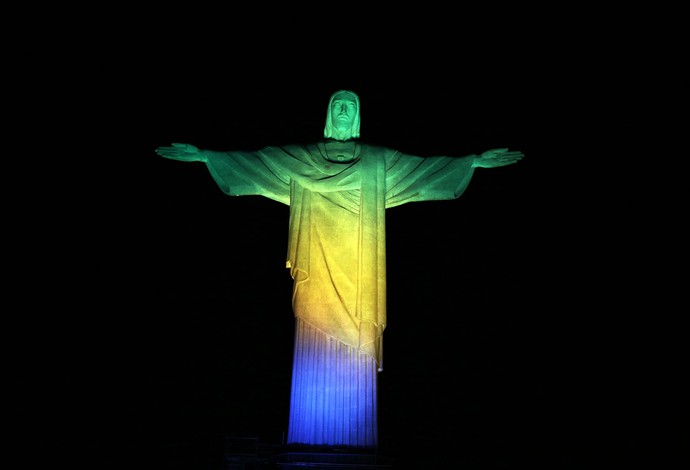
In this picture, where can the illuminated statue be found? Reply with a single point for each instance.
(338, 190)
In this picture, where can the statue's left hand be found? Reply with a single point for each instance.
(183, 152)
(497, 157)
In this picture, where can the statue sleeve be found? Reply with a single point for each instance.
(411, 179)
(240, 173)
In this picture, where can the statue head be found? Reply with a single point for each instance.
(342, 116)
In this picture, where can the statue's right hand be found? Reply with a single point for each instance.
(183, 152)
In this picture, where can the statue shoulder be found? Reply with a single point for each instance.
(377, 149)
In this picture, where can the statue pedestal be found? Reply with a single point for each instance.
(249, 453)
(332, 460)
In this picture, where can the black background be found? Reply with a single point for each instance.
(158, 314)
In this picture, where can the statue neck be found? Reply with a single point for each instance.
(342, 151)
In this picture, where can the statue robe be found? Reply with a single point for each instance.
(337, 239)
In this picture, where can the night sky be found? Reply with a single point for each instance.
(170, 323)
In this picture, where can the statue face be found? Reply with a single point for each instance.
(343, 111)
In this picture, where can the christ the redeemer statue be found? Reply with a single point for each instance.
(338, 190)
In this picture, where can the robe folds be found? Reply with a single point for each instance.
(337, 237)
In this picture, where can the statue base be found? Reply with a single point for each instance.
(246, 453)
